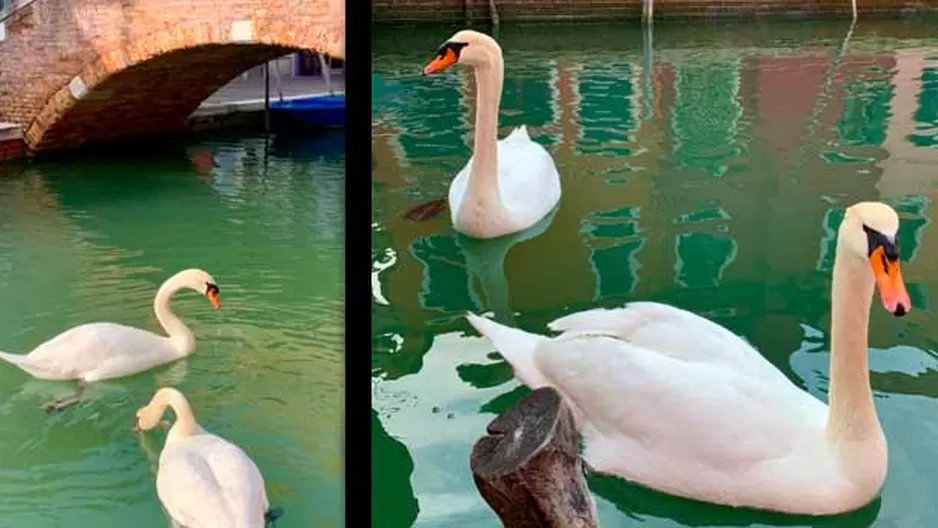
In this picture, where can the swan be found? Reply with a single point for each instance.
(203, 480)
(506, 186)
(99, 351)
(677, 403)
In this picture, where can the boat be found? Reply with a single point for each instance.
(314, 111)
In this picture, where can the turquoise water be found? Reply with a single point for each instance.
(706, 166)
(92, 238)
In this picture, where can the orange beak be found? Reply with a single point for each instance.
(440, 63)
(214, 299)
(890, 284)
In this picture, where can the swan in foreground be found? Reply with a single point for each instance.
(675, 402)
(203, 480)
(99, 351)
(509, 185)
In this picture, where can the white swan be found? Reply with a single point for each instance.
(509, 185)
(99, 351)
(678, 403)
(203, 480)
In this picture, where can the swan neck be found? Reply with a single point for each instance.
(180, 336)
(852, 413)
(483, 177)
(185, 424)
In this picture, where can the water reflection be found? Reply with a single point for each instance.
(710, 173)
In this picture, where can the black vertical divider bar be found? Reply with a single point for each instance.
(357, 453)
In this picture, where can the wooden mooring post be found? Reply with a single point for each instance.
(267, 97)
(528, 469)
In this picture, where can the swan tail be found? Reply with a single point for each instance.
(516, 346)
(518, 134)
(271, 516)
(24, 362)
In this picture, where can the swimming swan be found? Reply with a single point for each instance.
(678, 403)
(99, 351)
(203, 480)
(506, 186)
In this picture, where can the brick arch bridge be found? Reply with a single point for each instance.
(74, 72)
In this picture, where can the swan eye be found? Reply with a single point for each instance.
(875, 239)
(211, 288)
(451, 46)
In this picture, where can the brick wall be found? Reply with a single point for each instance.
(12, 149)
(79, 71)
(518, 10)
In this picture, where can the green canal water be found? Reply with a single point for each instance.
(706, 166)
(92, 238)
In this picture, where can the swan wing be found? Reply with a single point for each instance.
(242, 482)
(529, 184)
(457, 189)
(638, 406)
(205, 481)
(671, 331)
(189, 491)
(106, 349)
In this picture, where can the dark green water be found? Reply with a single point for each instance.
(91, 239)
(706, 167)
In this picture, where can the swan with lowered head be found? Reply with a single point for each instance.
(677, 403)
(99, 351)
(203, 480)
(509, 185)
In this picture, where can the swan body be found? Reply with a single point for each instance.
(528, 186)
(671, 400)
(506, 186)
(672, 411)
(99, 351)
(203, 480)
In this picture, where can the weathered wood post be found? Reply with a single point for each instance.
(528, 469)
(648, 11)
(267, 97)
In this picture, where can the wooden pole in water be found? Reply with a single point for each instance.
(648, 11)
(528, 470)
(648, 68)
(468, 13)
(326, 70)
(853, 5)
(267, 97)
(279, 79)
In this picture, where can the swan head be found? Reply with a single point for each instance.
(148, 417)
(200, 281)
(466, 47)
(151, 415)
(868, 232)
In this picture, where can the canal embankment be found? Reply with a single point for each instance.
(480, 11)
(12, 145)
